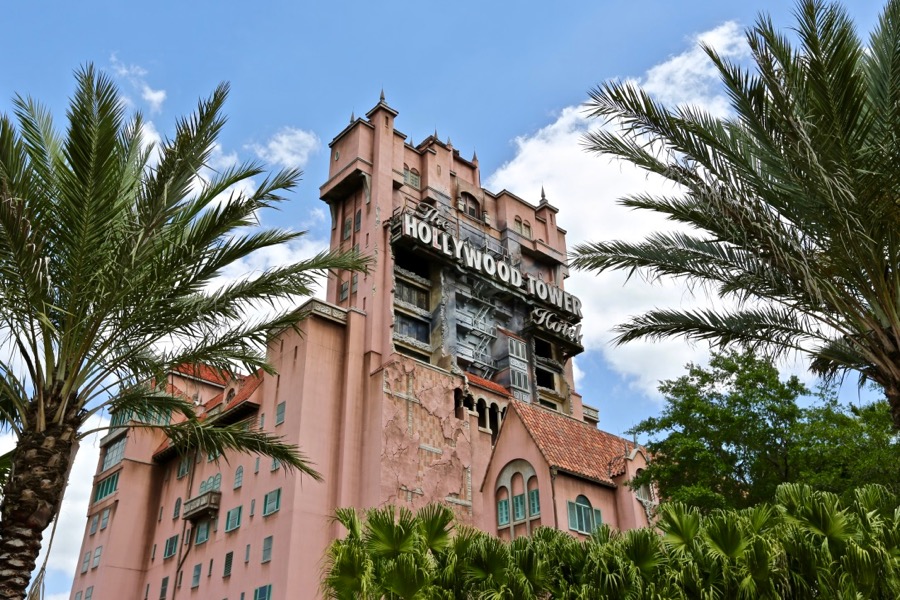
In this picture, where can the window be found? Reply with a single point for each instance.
(97, 553)
(411, 177)
(643, 493)
(354, 283)
(517, 225)
(114, 454)
(89, 593)
(202, 532)
(86, 562)
(519, 507)
(238, 477)
(233, 519)
(104, 519)
(545, 379)
(503, 512)
(171, 547)
(526, 229)
(263, 593)
(517, 349)
(106, 487)
(229, 559)
(195, 578)
(345, 290)
(211, 456)
(518, 379)
(413, 328)
(357, 220)
(187, 536)
(78, 596)
(348, 225)
(272, 502)
(469, 205)
(267, 549)
(95, 520)
(153, 552)
(279, 413)
(247, 554)
(164, 588)
(209, 573)
(256, 465)
(177, 510)
(534, 503)
(411, 294)
(582, 517)
(119, 418)
(184, 467)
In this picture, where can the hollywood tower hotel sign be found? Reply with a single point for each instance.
(426, 227)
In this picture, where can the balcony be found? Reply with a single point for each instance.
(202, 506)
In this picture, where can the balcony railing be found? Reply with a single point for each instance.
(204, 505)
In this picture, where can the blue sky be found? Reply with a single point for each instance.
(503, 79)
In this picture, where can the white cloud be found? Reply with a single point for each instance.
(690, 77)
(150, 137)
(585, 188)
(290, 147)
(154, 98)
(136, 75)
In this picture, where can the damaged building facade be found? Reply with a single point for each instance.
(444, 374)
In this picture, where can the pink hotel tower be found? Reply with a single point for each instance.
(444, 375)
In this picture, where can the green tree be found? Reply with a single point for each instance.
(108, 263)
(731, 433)
(726, 435)
(790, 202)
(839, 447)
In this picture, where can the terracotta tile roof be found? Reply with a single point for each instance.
(487, 384)
(574, 446)
(246, 386)
(204, 372)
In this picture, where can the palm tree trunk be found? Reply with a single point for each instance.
(30, 498)
(893, 397)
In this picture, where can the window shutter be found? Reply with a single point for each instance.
(573, 515)
(598, 519)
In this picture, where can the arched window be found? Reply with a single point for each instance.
(177, 508)
(526, 229)
(411, 177)
(217, 482)
(202, 487)
(469, 205)
(517, 225)
(482, 414)
(517, 497)
(643, 493)
(583, 518)
(238, 477)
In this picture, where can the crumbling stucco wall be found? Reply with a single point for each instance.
(428, 453)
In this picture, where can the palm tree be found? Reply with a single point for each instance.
(107, 269)
(790, 201)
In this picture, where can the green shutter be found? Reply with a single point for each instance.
(519, 507)
(598, 518)
(534, 503)
(573, 515)
(503, 512)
